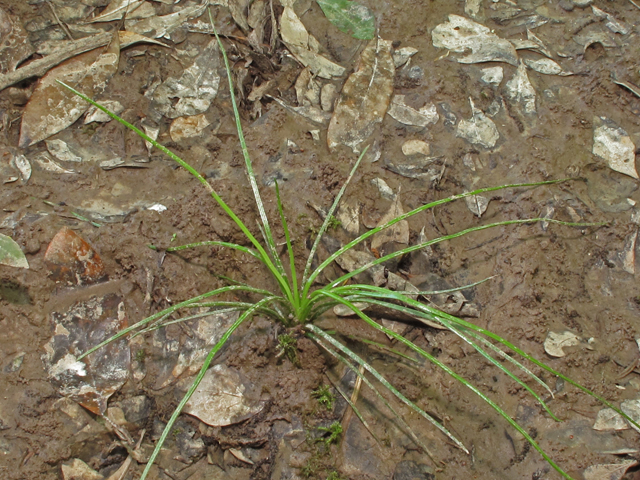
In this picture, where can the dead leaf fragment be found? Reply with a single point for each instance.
(403, 113)
(614, 145)
(52, 107)
(223, 398)
(557, 341)
(398, 232)
(520, 91)
(117, 9)
(613, 471)
(460, 34)
(15, 45)
(479, 129)
(71, 259)
(188, 127)
(365, 97)
(93, 380)
(305, 47)
(78, 470)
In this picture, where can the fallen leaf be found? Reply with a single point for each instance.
(398, 233)
(305, 47)
(188, 127)
(613, 144)
(93, 380)
(52, 107)
(11, 253)
(613, 471)
(117, 9)
(556, 341)
(71, 259)
(223, 398)
(460, 34)
(545, 66)
(477, 204)
(350, 17)
(15, 46)
(479, 129)
(157, 27)
(520, 91)
(403, 113)
(365, 97)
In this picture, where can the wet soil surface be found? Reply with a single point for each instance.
(545, 277)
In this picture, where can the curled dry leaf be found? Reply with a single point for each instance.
(53, 108)
(117, 9)
(520, 91)
(460, 35)
(93, 380)
(365, 97)
(305, 47)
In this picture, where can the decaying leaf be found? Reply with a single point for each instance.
(613, 471)
(71, 259)
(477, 204)
(613, 24)
(407, 115)
(14, 43)
(44, 161)
(546, 66)
(195, 89)
(350, 17)
(349, 216)
(365, 97)
(403, 55)
(460, 34)
(557, 341)
(117, 9)
(492, 75)
(305, 47)
(158, 27)
(188, 127)
(520, 91)
(61, 150)
(11, 253)
(23, 165)
(609, 419)
(94, 114)
(93, 380)
(53, 108)
(398, 233)
(479, 129)
(67, 50)
(614, 145)
(223, 398)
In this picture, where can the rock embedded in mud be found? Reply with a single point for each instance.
(72, 260)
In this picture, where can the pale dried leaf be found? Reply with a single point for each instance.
(403, 113)
(398, 233)
(305, 47)
(609, 419)
(15, 45)
(117, 9)
(556, 341)
(613, 144)
(365, 97)
(614, 471)
(158, 27)
(460, 34)
(477, 204)
(520, 91)
(53, 108)
(479, 129)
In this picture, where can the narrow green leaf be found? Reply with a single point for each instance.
(11, 253)
(350, 17)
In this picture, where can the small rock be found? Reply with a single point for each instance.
(71, 259)
(566, 5)
(415, 147)
(582, 3)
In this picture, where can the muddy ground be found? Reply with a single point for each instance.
(545, 277)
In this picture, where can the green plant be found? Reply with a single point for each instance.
(297, 301)
(324, 396)
(288, 345)
(334, 430)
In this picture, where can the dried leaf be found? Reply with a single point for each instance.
(479, 130)
(53, 108)
(117, 9)
(71, 259)
(365, 97)
(477, 204)
(157, 27)
(93, 380)
(614, 471)
(23, 165)
(350, 17)
(611, 22)
(223, 398)
(403, 113)
(11, 253)
(196, 88)
(305, 47)
(520, 91)
(556, 341)
(546, 66)
(460, 34)
(398, 233)
(188, 127)
(614, 145)
(15, 45)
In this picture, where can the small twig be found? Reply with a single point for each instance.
(60, 22)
